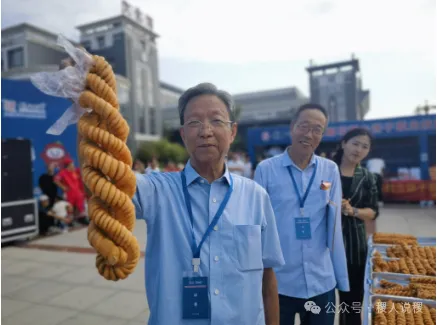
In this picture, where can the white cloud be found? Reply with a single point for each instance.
(241, 31)
(253, 31)
(250, 45)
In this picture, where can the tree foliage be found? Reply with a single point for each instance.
(163, 150)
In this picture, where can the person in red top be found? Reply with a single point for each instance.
(69, 180)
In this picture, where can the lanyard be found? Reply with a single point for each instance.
(302, 199)
(194, 247)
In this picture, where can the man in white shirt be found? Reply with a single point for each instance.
(376, 166)
(62, 212)
(235, 164)
(247, 167)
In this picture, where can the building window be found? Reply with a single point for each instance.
(150, 89)
(101, 42)
(154, 126)
(16, 58)
(87, 45)
(149, 22)
(117, 37)
(111, 62)
(142, 122)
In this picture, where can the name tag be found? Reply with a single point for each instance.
(303, 228)
(195, 302)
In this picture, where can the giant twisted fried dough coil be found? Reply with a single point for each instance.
(108, 175)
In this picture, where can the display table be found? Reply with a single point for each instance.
(373, 280)
(408, 190)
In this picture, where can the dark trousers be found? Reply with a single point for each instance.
(44, 222)
(351, 302)
(378, 179)
(289, 306)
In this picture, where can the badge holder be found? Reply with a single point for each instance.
(195, 300)
(303, 228)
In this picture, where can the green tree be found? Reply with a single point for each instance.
(163, 150)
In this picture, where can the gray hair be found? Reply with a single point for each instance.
(205, 89)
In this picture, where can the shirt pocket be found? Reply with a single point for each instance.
(247, 239)
(317, 198)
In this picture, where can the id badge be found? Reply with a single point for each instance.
(303, 228)
(195, 301)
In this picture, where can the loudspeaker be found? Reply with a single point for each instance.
(17, 174)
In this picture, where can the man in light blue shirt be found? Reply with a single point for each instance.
(305, 191)
(212, 239)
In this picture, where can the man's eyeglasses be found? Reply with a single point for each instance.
(215, 124)
(317, 130)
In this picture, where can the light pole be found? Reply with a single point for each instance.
(425, 108)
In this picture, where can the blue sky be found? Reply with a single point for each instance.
(256, 45)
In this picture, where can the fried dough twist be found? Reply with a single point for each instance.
(108, 175)
(427, 319)
(432, 312)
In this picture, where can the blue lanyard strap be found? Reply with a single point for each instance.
(302, 199)
(194, 247)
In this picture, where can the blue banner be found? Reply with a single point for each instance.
(28, 113)
(384, 128)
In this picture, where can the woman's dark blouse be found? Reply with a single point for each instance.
(362, 191)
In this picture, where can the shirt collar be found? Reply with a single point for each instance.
(286, 160)
(192, 175)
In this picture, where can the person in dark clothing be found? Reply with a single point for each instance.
(359, 204)
(44, 220)
(47, 185)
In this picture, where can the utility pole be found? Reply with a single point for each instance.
(425, 108)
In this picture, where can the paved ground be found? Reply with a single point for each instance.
(57, 284)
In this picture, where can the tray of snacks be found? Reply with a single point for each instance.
(382, 238)
(399, 311)
(404, 250)
(404, 286)
(416, 265)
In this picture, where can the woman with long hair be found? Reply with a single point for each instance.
(359, 205)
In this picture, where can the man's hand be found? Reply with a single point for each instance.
(67, 62)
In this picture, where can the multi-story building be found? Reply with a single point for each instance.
(27, 49)
(337, 86)
(169, 95)
(130, 47)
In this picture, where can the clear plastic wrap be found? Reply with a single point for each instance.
(67, 83)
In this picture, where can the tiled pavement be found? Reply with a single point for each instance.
(58, 284)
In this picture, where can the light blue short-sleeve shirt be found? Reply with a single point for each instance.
(233, 257)
(315, 266)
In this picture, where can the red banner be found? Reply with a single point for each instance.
(409, 190)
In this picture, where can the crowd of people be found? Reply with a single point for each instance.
(63, 199)
(237, 162)
(263, 248)
(225, 249)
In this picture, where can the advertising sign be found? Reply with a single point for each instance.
(27, 113)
